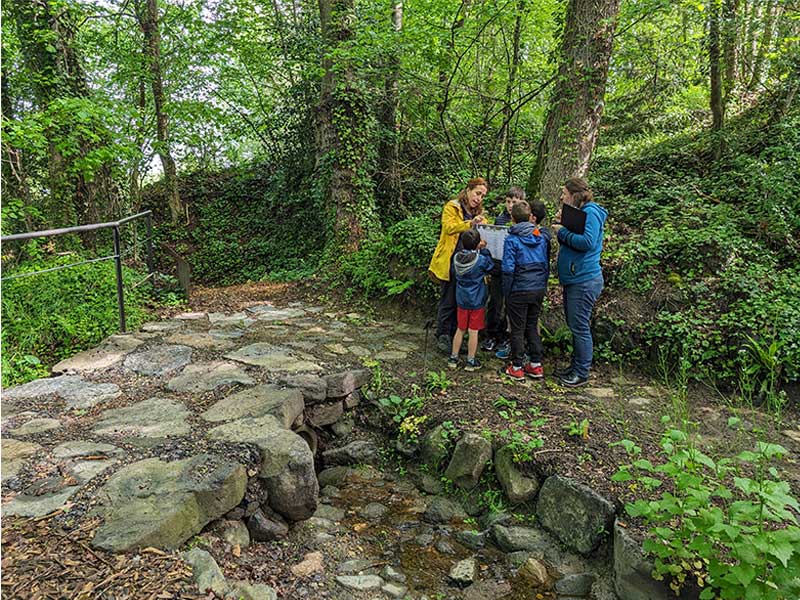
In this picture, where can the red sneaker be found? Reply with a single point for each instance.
(534, 372)
(516, 373)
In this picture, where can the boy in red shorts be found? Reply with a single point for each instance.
(471, 265)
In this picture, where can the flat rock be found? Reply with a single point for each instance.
(326, 413)
(601, 393)
(792, 435)
(225, 335)
(152, 418)
(391, 355)
(373, 511)
(311, 563)
(204, 377)
(238, 319)
(578, 516)
(266, 528)
(470, 457)
(327, 511)
(313, 387)
(287, 463)
(394, 590)
(159, 360)
(272, 358)
(108, 354)
(243, 590)
(359, 351)
(360, 583)
(271, 313)
(515, 539)
(191, 316)
(534, 571)
(354, 453)
(199, 339)
(335, 476)
(36, 426)
(268, 399)
(234, 532)
(518, 487)
(576, 584)
(205, 571)
(83, 448)
(162, 504)
(77, 392)
(161, 326)
(14, 453)
(442, 509)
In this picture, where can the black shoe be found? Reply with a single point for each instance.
(572, 380)
(563, 371)
(445, 344)
(488, 344)
(472, 365)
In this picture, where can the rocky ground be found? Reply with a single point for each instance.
(216, 420)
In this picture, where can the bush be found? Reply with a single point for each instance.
(51, 316)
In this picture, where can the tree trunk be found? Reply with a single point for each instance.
(389, 185)
(717, 101)
(765, 42)
(730, 38)
(343, 134)
(149, 23)
(573, 119)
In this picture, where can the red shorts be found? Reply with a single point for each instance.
(471, 319)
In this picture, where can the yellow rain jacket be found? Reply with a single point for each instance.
(453, 224)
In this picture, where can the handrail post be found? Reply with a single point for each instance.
(149, 224)
(120, 291)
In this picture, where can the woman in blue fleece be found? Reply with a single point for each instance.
(581, 277)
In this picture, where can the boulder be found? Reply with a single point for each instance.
(159, 360)
(469, 459)
(266, 528)
(576, 584)
(156, 503)
(632, 571)
(443, 510)
(517, 487)
(335, 476)
(233, 532)
(534, 571)
(152, 418)
(347, 382)
(434, 448)
(204, 377)
(327, 413)
(354, 453)
(514, 539)
(287, 463)
(352, 399)
(464, 572)
(284, 404)
(578, 516)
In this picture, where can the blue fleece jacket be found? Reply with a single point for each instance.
(579, 254)
(526, 259)
(470, 267)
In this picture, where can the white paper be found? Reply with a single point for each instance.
(495, 237)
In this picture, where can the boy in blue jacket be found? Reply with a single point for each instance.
(526, 268)
(471, 265)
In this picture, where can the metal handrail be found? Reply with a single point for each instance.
(117, 256)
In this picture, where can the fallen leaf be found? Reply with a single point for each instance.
(237, 550)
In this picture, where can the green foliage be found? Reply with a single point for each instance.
(522, 432)
(438, 381)
(51, 316)
(576, 429)
(730, 524)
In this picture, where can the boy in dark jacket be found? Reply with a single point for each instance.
(526, 268)
(471, 265)
(496, 322)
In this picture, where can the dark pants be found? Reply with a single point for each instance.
(496, 326)
(523, 313)
(446, 315)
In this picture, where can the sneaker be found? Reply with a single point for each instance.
(473, 364)
(516, 373)
(445, 344)
(489, 344)
(452, 362)
(572, 380)
(503, 350)
(533, 371)
(563, 371)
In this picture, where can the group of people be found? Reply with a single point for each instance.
(517, 281)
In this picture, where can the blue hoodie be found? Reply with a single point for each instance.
(579, 255)
(470, 267)
(526, 259)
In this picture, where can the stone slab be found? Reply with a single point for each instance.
(152, 418)
(77, 392)
(284, 404)
(108, 354)
(159, 360)
(14, 453)
(273, 358)
(36, 426)
(204, 377)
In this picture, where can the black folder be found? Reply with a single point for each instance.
(573, 218)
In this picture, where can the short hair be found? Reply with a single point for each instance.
(580, 190)
(521, 212)
(539, 211)
(515, 192)
(470, 239)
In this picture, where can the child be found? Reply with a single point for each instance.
(526, 268)
(470, 265)
(497, 326)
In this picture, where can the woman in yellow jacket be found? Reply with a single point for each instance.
(458, 215)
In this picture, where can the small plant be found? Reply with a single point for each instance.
(737, 542)
(410, 427)
(576, 429)
(378, 381)
(522, 435)
(759, 379)
(438, 382)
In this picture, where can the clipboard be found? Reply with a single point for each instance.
(495, 237)
(573, 218)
